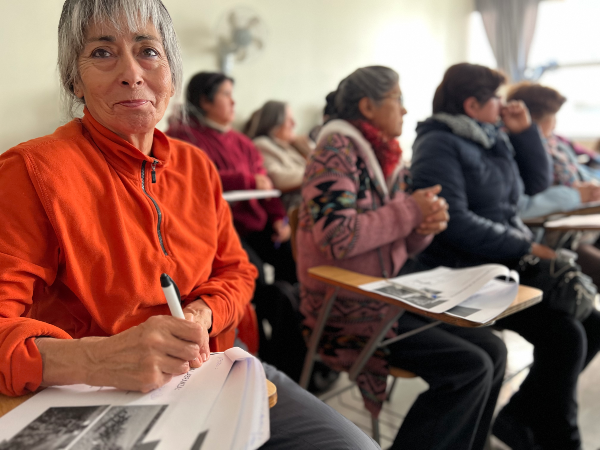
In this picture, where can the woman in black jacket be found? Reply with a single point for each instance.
(481, 169)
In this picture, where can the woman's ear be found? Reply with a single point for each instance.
(471, 107)
(202, 102)
(77, 88)
(366, 107)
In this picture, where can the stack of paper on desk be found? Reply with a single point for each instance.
(221, 405)
(473, 293)
(591, 220)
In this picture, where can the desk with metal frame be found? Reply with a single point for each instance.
(338, 279)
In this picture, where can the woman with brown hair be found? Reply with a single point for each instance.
(462, 147)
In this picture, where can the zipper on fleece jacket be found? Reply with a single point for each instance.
(160, 239)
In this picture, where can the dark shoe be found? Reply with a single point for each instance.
(514, 433)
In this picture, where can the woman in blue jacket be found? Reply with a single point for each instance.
(482, 170)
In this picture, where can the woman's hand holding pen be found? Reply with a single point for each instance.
(141, 358)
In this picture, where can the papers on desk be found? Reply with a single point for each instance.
(238, 196)
(221, 405)
(591, 220)
(473, 293)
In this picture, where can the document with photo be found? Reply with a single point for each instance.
(192, 411)
(440, 289)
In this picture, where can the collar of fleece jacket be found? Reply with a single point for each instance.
(123, 155)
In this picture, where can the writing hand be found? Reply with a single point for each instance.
(141, 358)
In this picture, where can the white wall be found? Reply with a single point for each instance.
(311, 45)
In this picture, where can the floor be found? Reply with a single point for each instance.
(520, 354)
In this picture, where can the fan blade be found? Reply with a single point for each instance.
(233, 19)
(258, 42)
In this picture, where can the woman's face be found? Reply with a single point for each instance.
(222, 109)
(124, 78)
(547, 124)
(285, 131)
(488, 112)
(387, 114)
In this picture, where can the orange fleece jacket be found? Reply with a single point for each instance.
(86, 234)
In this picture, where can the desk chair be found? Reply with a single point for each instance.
(311, 357)
(338, 278)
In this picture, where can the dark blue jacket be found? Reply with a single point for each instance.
(482, 187)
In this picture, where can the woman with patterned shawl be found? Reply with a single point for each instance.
(357, 213)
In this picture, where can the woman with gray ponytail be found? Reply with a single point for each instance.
(358, 213)
(271, 128)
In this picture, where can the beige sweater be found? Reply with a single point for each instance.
(284, 164)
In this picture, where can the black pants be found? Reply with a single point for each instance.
(279, 256)
(300, 421)
(464, 368)
(563, 347)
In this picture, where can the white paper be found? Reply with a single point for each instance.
(450, 286)
(177, 415)
(489, 302)
(590, 220)
(238, 196)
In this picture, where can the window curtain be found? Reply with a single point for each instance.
(509, 25)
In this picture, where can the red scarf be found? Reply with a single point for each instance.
(387, 151)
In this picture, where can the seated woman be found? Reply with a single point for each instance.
(271, 128)
(357, 213)
(94, 213)
(261, 224)
(544, 103)
(462, 147)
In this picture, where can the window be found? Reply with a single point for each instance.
(567, 33)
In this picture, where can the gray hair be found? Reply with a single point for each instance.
(266, 119)
(77, 15)
(373, 82)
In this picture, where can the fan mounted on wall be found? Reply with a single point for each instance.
(241, 37)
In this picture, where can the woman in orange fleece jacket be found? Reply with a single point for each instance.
(94, 213)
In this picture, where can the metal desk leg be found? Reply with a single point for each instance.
(315, 338)
(393, 314)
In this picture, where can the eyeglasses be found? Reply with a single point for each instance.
(398, 98)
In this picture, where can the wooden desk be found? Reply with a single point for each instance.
(7, 404)
(344, 279)
(351, 281)
(583, 210)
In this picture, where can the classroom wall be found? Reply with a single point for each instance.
(310, 46)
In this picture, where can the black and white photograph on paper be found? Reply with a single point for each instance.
(55, 429)
(88, 428)
(120, 428)
(409, 296)
(463, 311)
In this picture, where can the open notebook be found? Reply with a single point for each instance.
(221, 405)
(476, 293)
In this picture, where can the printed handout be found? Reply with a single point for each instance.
(467, 293)
(196, 411)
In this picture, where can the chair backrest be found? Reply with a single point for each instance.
(293, 218)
